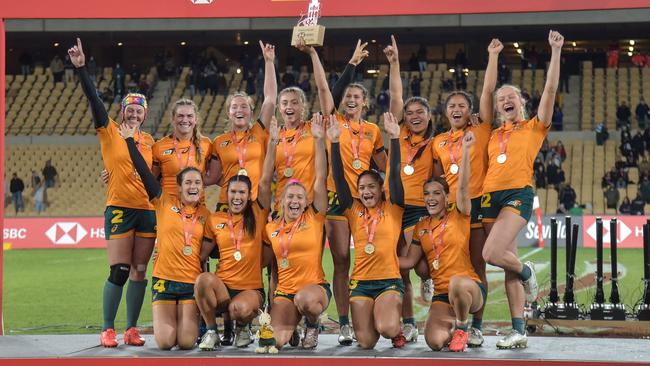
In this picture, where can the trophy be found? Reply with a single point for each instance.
(308, 28)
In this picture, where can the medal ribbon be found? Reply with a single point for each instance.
(241, 153)
(240, 234)
(289, 154)
(438, 245)
(413, 150)
(453, 152)
(371, 229)
(188, 232)
(179, 155)
(503, 142)
(356, 145)
(285, 250)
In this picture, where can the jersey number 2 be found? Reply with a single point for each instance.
(117, 216)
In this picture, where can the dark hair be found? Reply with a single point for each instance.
(424, 103)
(376, 176)
(249, 215)
(463, 94)
(181, 174)
(440, 180)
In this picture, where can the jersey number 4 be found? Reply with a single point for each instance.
(159, 286)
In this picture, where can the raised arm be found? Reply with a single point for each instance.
(150, 183)
(78, 59)
(545, 109)
(396, 97)
(324, 94)
(346, 78)
(395, 177)
(270, 84)
(320, 184)
(463, 199)
(486, 110)
(264, 191)
(342, 188)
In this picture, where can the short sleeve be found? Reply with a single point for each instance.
(207, 229)
(265, 235)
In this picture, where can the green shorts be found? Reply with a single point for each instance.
(372, 289)
(284, 295)
(119, 222)
(334, 209)
(412, 215)
(232, 293)
(476, 216)
(445, 297)
(519, 201)
(171, 292)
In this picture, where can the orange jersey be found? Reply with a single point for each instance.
(421, 159)
(224, 150)
(302, 164)
(171, 262)
(165, 156)
(383, 263)
(305, 251)
(245, 274)
(525, 140)
(371, 143)
(453, 248)
(448, 143)
(125, 188)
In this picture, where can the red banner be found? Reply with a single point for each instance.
(66, 9)
(629, 231)
(54, 232)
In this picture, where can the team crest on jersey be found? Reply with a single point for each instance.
(225, 143)
(514, 203)
(442, 143)
(220, 226)
(345, 125)
(168, 152)
(423, 231)
(275, 233)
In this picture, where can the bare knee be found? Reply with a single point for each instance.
(138, 272)
(240, 310)
(366, 341)
(308, 304)
(203, 281)
(187, 343)
(165, 342)
(436, 341)
(388, 329)
(491, 256)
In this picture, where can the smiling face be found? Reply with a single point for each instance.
(133, 115)
(509, 104)
(238, 196)
(240, 112)
(370, 190)
(416, 118)
(458, 111)
(191, 188)
(291, 108)
(354, 101)
(294, 202)
(435, 198)
(184, 117)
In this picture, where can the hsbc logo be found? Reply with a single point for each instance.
(66, 233)
(202, 2)
(623, 231)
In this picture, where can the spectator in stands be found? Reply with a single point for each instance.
(601, 134)
(638, 205)
(422, 58)
(564, 76)
(91, 65)
(612, 56)
(622, 180)
(69, 70)
(25, 63)
(305, 85)
(222, 83)
(16, 187)
(7, 194)
(638, 60)
(35, 178)
(609, 178)
(383, 100)
(503, 73)
(628, 152)
(543, 151)
(413, 63)
(612, 196)
(460, 61)
(560, 150)
(416, 86)
(638, 145)
(57, 68)
(39, 196)
(288, 79)
(539, 173)
(641, 112)
(461, 79)
(143, 86)
(626, 207)
(210, 71)
(623, 115)
(119, 79)
(170, 66)
(644, 188)
(49, 174)
(567, 196)
(558, 118)
(644, 166)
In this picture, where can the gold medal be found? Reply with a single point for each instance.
(356, 164)
(237, 256)
(288, 172)
(187, 250)
(409, 170)
(453, 169)
(242, 171)
(435, 264)
(369, 248)
(284, 263)
(502, 158)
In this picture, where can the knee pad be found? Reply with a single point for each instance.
(119, 274)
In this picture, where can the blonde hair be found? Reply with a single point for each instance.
(524, 116)
(291, 183)
(301, 95)
(196, 131)
(242, 94)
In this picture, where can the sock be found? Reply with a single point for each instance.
(525, 273)
(134, 299)
(462, 325)
(344, 320)
(212, 327)
(310, 324)
(477, 323)
(110, 301)
(409, 321)
(227, 325)
(519, 325)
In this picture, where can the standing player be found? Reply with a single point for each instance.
(449, 155)
(416, 133)
(376, 288)
(444, 238)
(182, 218)
(240, 151)
(130, 225)
(507, 198)
(361, 146)
(295, 241)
